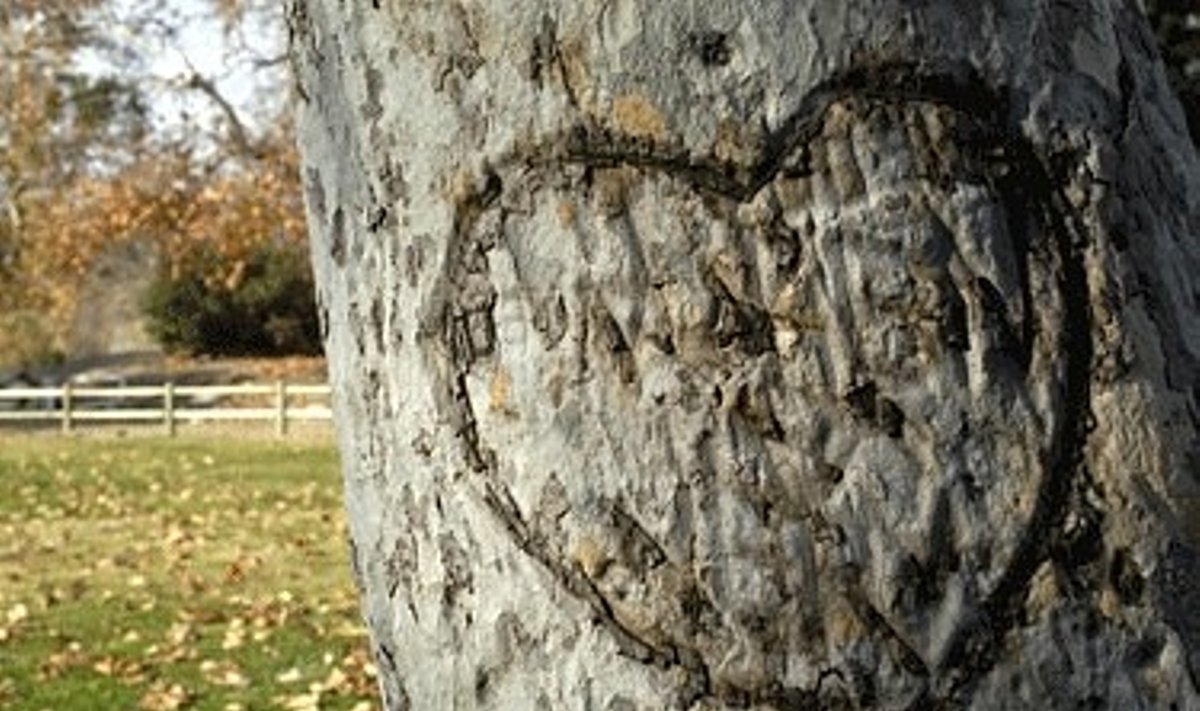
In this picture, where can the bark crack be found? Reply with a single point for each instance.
(535, 544)
(976, 647)
(901, 650)
(459, 318)
(668, 654)
(958, 88)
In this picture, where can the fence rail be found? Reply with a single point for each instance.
(172, 404)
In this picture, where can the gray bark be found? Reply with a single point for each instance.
(760, 354)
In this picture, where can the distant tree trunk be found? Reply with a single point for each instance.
(780, 354)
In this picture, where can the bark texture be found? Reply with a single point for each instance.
(787, 354)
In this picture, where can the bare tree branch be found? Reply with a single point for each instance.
(237, 129)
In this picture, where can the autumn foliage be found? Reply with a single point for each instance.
(231, 214)
(84, 168)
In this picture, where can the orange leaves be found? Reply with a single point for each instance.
(207, 222)
(85, 165)
(235, 214)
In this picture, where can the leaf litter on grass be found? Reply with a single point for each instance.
(163, 574)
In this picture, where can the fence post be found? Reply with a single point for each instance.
(281, 423)
(67, 406)
(169, 407)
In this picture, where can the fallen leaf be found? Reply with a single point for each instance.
(301, 702)
(17, 613)
(59, 662)
(224, 673)
(336, 681)
(179, 633)
(164, 698)
(235, 635)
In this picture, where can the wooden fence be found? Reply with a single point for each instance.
(168, 404)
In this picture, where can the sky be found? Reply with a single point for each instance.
(163, 42)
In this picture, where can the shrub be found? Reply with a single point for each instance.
(270, 311)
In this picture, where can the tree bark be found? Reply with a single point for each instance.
(773, 354)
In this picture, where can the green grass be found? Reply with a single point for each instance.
(157, 574)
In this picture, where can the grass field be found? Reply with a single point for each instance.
(156, 574)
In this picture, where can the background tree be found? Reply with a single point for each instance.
(760, 355)
(94, 155)
(56, 126)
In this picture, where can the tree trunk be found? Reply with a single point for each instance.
(770, 354)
